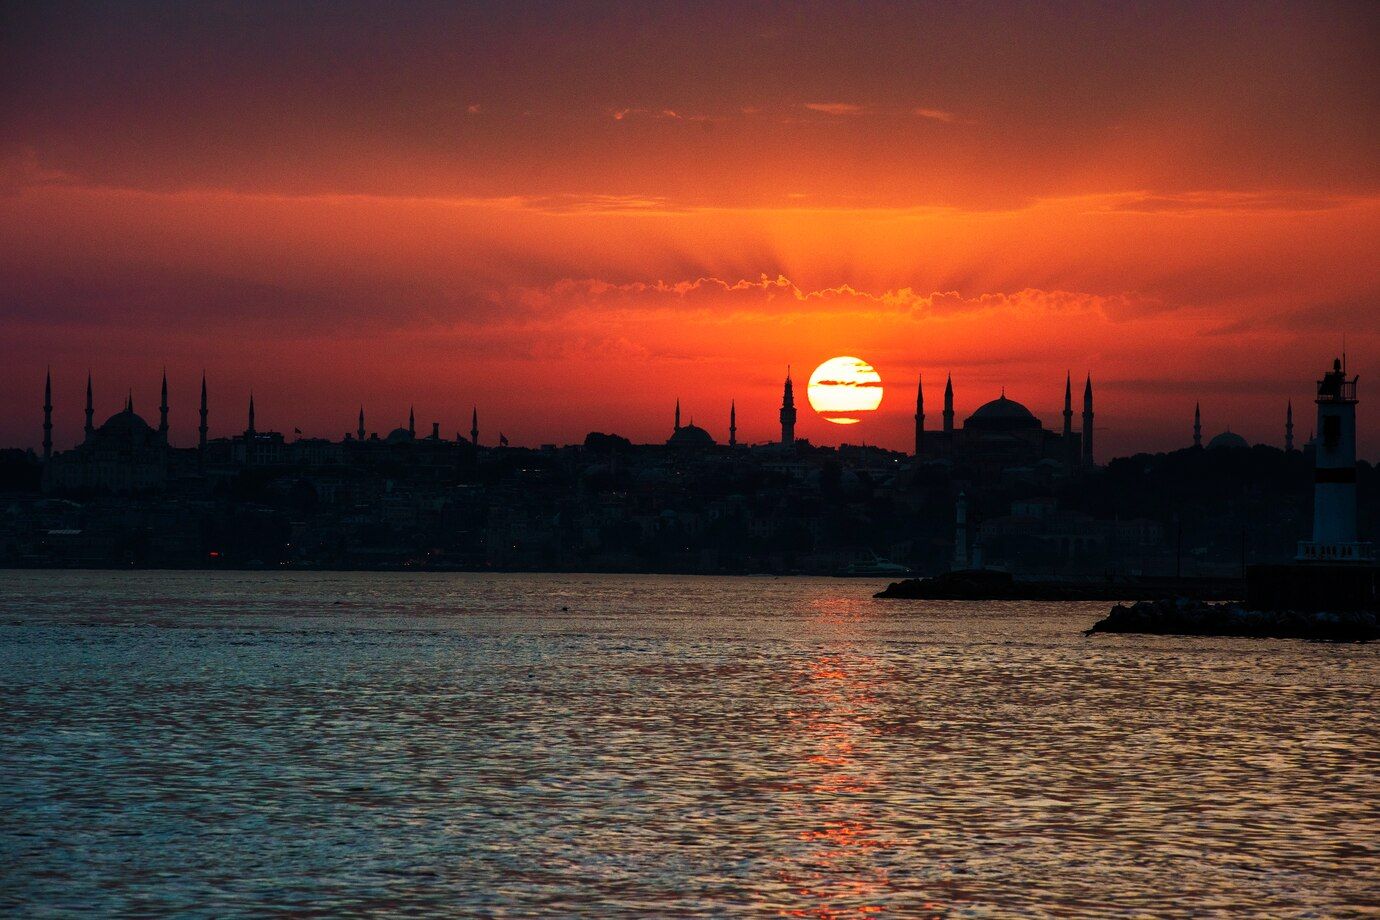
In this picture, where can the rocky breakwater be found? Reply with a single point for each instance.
(1183, 617)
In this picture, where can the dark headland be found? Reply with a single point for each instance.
(990, 585)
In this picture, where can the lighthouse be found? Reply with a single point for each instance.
(1334, 474)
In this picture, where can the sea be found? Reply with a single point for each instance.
(509, 745)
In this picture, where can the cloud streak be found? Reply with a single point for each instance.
(835, 108)
(778, 294)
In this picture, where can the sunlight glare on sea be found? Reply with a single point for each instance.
(234, 743)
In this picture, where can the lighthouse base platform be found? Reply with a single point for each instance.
(1313, 586)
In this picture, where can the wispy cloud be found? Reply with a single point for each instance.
(1219, 200)
(835, 108)
(768, 294)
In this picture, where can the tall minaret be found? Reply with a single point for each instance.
(788, 411)
(360, 432)
(90, 428)
(732, 423)
(919, 414)
(1070, 454)
(201, 429)
(250, 430)
(1088, 423)
(1289, 427)
(1068, 408)
(677, 422)
(48, 416)
(1197, 425)
(474, 426)
(1334, 474)
(163, 409)
(411, 422)
(949, 405)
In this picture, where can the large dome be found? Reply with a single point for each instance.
(690, 436)
(1001, 414)
(125, 423)
(1227, 440)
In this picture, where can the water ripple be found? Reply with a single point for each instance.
(631, 746)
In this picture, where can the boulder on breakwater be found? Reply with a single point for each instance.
(1183, 617)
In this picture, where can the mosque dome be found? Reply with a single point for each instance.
(1001, 414)
(1227, 441)
(125, 423)
(399, 435)
(690, 436)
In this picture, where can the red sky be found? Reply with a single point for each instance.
(572, 215)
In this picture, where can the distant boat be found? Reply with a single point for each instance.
(876, 566)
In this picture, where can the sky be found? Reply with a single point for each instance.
(571, 215)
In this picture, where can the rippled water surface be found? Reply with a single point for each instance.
(514, 745)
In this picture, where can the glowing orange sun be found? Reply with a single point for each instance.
(843, 390)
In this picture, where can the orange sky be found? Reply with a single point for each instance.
(572, 216)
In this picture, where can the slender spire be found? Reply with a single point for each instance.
(787, 414)
(1068, 405)
(919, 413)
(163, 408)
(474, 425)
(411, 421)
(677, 421)
(949, 405)
(250, 429)
(1289, 427)
(129, 402)
(360, 432)
(90, 409)
(732, 423)
(48, 415)
(1197, 425)
(1088, 422)
(201, 429)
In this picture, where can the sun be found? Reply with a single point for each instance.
(845, 389)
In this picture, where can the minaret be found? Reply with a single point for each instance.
(919, 414)
(90, 428)
(961, 533)
(1070, 452)
(474, 426)
(249, 434)
(949, 405)
(788, 411)
(411, 422)
(1068, 408)
(250, 430)
(677, 421)
(48, 416)
(360, 432)
(1289, 428)
(201, 429)
(129, 402)
(163, 409)
(732, 423)
(1197, 425)
(1088, 423)
(1334, 473)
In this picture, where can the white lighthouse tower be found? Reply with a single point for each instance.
(1334, 475)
